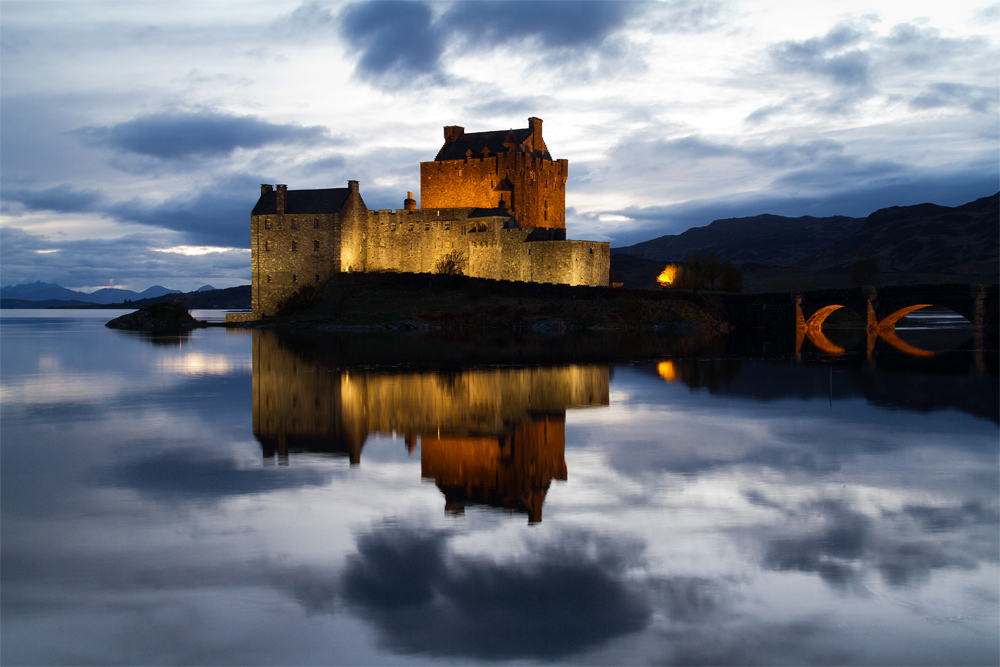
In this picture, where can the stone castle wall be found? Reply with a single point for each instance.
(538, 198)
(289, 251)
(490, 247)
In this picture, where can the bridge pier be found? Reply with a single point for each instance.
(880, 307)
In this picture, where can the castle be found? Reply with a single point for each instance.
(493, 436)
(492, 202)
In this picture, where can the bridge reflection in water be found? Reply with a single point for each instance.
(491, 436)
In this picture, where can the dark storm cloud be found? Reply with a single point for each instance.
(188, 475)
(555, 24)
(178, 135)
(396, 40)
(402, 43)
(562, 598)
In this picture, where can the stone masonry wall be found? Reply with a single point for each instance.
(290, 251)
(538, 198)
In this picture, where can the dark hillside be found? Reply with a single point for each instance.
(926, 238)
(763, 239)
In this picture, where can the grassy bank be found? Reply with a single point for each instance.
(457, 302)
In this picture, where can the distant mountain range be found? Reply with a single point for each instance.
(39, 291)
(963, 240)
(205, 297)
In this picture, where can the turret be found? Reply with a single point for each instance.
(410, 204)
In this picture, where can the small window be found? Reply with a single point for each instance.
(315, 223)
(267, 224)
(317, 277)
(315, 246)
(269, 279)
(295, 278)
(267, 246)
(392, 226)
(295, 246)
(447, 226)
(427, 226)
(411, 226)
(295, 225)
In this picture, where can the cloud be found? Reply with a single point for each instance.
(553, 24)
(189, 475)
(202, 134)
(978, 99)
(396, 40)
(217, 214)
(60, 198)
(834, 192)
(132, 260)
(833, 56)
(846, 544)
(561, 599)
(404, 43)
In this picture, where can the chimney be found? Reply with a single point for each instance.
(410, 204)
(453, 133)
(265, 188)
(282, 190)
(352, 186)
(535, 125)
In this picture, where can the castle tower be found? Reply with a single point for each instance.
(510, 170)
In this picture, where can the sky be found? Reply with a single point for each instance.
(134, 136)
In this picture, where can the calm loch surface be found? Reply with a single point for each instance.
(241, 497)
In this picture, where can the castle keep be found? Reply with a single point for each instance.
(493, 201)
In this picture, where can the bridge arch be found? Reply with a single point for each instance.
(890, 321)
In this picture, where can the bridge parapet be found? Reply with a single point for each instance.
(881, 307)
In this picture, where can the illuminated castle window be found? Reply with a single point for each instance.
(315, 223)
(267, 245)
(267, 224)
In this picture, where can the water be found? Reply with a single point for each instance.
(243, 497)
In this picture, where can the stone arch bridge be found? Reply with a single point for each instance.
(881, 307)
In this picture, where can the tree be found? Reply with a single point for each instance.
(692, 276)
(450, 264)
(712, 269)
(732, 278)
(864, 270)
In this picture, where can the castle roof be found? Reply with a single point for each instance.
(493, 142)
(303, 202)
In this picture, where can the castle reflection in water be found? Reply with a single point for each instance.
(491, 436)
